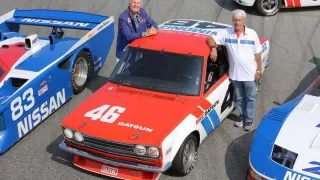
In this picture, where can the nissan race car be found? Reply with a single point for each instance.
(164, 97)
(271, 7)
(287, 142)
(39, 74)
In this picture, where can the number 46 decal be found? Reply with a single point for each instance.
(105, 114)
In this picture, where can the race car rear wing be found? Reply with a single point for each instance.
(11, 21)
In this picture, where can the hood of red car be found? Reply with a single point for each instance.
(129, 115)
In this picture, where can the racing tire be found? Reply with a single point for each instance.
(186, 156)
(81, 72)
(268, 7)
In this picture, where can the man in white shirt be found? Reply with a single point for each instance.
(244, 54)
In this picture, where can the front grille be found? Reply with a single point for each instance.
(109, 146)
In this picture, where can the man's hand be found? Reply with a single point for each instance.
(258, 75)
(151, 31)
(213, 54)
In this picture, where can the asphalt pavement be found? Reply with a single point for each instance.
(295, 42)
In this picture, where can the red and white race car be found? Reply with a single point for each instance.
(164, 97)
(271, 7)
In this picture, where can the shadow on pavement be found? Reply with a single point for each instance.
(97, 82)
(307, 80)
(237, 156)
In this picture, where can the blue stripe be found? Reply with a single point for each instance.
(232, 41)
(207, 125)
(247, 42)
(318, 126)
(214, 120)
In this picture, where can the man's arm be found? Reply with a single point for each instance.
(258, 50)
(126, 31)
(150, 22)
(213, 47)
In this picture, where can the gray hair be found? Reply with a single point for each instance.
(239, 12)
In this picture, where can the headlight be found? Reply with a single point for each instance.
(140, 150)
(283, 156)
(78, 136)
(68, 133)
(153, 152)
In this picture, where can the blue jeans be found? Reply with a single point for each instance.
(245, 99)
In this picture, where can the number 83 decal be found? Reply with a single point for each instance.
(21, 104)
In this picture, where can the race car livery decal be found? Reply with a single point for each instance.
(39, 113)
(193, 26)
(314, 170)
(43, 21)
(109, 116)
(318, 126)
(295, 176)
(135, 126)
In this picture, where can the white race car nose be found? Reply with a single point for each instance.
(245, 2)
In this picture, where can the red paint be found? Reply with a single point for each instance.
(123, 173)
(9, 55)
(263, 40)
(297, 3)
(289, 3)
(171, 42)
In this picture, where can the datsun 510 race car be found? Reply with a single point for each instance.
(271, 7)
(39, 74)
(164, 97)
(286, 144)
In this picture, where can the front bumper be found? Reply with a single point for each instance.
(114, 162)
(245, 2)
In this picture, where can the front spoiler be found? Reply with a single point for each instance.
(104, 160)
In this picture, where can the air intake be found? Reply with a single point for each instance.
(30, 41)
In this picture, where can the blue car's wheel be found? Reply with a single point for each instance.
(81, 72)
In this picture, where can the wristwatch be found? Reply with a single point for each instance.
(259, 72)
(213, 47)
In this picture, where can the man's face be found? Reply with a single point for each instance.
(135, 5)
(238, 22)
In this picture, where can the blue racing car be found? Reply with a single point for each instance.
(286, 145)
(39, 74)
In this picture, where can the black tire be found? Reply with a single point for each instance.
(271, 8)
(180, 168)
(80, 79)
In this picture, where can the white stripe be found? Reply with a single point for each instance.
(23, 74)
(78, 44)
(11, 41)
(207, 116)
(6, 16)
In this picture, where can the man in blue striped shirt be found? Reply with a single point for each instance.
(244, 54)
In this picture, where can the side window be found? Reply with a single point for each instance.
(215, 70)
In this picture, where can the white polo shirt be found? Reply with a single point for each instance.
(241, 52)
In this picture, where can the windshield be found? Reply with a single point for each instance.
(159, 71)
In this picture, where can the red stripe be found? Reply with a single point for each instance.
(263, 40)
(289, 3)
(297, 3)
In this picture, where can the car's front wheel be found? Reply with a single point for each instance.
(268, 7)
(81, 72)
(186, 156)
